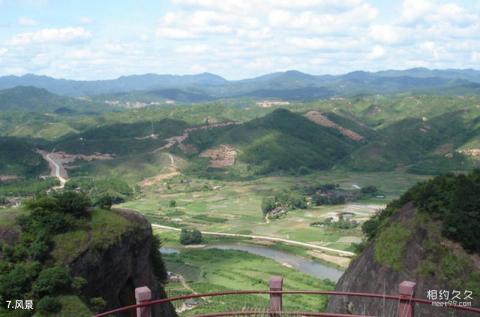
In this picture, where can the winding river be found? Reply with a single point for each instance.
(299, 263)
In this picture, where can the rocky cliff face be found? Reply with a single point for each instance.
(115, 272)
(425, 258)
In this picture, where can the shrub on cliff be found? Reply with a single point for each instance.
(52, 281)
(452, 199)
(49, 305)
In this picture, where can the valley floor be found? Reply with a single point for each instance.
(233, 208)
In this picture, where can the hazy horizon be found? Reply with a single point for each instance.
(244, 78)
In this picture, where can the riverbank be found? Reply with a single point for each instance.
(170, 239)
(298, 263)
(213, 269)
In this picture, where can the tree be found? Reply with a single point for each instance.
(105, 202)
(371, 190)
(49, 305)
(173, 203)
(97, 304)
(268, 204)
(156, 257)
(190, 236)
(17, 281)
(74, 203)
(52, 281)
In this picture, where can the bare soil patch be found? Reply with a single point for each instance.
(222, 156)
(320, 119)
(338, 260)
(4, 178)
(474, 153)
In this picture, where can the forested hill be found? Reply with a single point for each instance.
(32, 99)
(430, 235)
(280, 141)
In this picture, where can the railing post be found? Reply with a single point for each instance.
(405, 307)
(143, 294)
(275, 284)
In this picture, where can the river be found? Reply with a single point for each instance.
(299, 263)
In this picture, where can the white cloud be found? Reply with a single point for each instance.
(243, 38)
(174, 33)
(86, 20)
(412, 10)
(321, 43)
(433, 50)
(61, 35)
(268, 5)
(319, 22)
(193, 49)
(24, 21)
(376, 52)
(385, 33)
(190, 25)
(475, 57)
(3, 51)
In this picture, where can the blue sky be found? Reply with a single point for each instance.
(235, 39)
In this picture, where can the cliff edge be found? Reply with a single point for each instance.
(415, 240)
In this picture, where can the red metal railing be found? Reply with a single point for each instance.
(276, 292)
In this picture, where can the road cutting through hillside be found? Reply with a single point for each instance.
(275, 239)
(55, 168)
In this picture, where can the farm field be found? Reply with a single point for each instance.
(235, 207)
(215, 270)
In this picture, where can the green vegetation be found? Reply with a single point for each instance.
(190, 236)
(31, 99)
(18, 157)
(446, 207)
(122, 138)
(216, 270)
(390, 246)
(234, 207)
(26, 269)
(279, 141)
(53, 231)
(455, 201)
(27, 187)
(103, 191)
(284, 200)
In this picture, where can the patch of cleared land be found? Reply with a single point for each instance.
(222, 156)
(320, 119)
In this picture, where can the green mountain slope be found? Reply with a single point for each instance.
(121, 138)
(31, 99)
(18, 157)
(281, 140)
(415, 140)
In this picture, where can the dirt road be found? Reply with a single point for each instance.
(56, 168)
(275, 239)
(178, 139)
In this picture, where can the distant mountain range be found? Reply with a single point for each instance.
(289, 85)
(32, 99)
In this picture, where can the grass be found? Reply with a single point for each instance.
(104, 228)
(234, 206)
(73, 306)
(8, 216)
(214, 270)
(390, 246)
